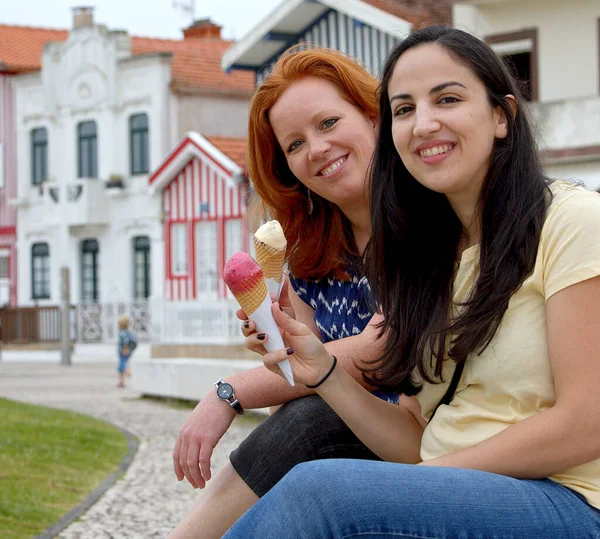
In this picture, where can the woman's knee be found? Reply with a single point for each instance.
(306, 411)
(301, 425)
(316, 479)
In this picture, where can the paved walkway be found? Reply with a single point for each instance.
(148, 501)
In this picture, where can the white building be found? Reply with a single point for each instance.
(556, 48)
(92, 124)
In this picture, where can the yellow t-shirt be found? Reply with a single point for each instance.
(512, 379)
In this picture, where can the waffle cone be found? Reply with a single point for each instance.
(270, 260)
(250, 300)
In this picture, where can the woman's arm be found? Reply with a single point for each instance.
(568, 434)
(257, 388)
(390, 431)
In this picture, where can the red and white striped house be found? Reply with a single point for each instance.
(204, 189)
(8, 189)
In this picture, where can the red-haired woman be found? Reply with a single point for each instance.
(312, 132)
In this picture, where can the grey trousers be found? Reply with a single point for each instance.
(301, 430)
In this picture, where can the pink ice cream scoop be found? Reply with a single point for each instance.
(246, 281)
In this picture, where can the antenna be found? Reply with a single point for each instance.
(186, 6)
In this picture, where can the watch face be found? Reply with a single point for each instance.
(225, 390)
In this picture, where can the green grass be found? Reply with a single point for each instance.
(50, 460)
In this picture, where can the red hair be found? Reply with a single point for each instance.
(322, 243)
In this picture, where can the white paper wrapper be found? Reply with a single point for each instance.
(273, 286)
(265, 323)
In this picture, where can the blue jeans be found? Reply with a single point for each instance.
(122, 366)
(338, 499)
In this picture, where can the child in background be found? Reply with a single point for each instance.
(127, 344)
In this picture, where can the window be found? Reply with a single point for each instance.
(3, 267)
(89, 271)
(39, 155)
(206, 258)
(87, 151)
(138, 143)
(40, 271)
(233, 237)
(179, 249)
(519, 52)
(141, 267)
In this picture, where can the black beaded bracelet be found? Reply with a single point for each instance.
(326, 376)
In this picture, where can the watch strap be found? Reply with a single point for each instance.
(232, 400)
(237, 406)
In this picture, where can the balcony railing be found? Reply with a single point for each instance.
(568, 124)
(76, 203)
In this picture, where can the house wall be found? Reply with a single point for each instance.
(8, 189)
(567, 40)
(211, 115)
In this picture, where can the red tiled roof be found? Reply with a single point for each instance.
(21, 46)
(233, 148)
(420, 13)
(196, 61)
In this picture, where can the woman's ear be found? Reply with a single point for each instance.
(374, 119)
(501, 120)
(512, 102)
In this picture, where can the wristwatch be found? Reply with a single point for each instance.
(225, 392)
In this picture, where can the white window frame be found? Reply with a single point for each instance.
(206, 236)
(234, 236)
(179, 262)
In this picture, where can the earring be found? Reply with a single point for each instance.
(310, 202)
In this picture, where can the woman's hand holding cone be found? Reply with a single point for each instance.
(252, 342)
(309, 359)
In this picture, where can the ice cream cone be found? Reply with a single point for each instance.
(270, 245)
(270, 260)
(245, 279)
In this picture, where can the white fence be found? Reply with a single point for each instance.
(210, 322)
(97, 322)
(161, 321)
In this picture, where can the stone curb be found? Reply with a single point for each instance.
(133, 444)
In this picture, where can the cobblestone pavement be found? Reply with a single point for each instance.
(148, 501)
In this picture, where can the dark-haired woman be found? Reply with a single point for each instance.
(488, 277)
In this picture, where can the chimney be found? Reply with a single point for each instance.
(203, 28)
(83, 16)
(122, 43)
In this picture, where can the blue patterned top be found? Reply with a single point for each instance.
(341, 307)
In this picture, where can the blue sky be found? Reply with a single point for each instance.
(152, 18)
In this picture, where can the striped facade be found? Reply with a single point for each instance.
(336, 30)
(8, 188)
(201, 197)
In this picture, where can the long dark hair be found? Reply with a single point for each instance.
(410, 260)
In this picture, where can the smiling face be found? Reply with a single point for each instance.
(327, 141)
(443, 125)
